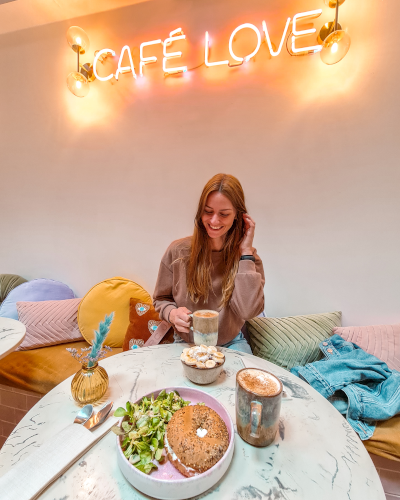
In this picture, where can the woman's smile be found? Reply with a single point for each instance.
(215, 228)
(218, 208)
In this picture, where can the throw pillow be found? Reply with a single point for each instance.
(291, 341)
(112, 295)
(49, 322)
(143, 322)
(7, 283)
(34, 291)
(382, 341)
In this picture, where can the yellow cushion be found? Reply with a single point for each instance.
(109, 296)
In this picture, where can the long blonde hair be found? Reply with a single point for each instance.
(199, 265)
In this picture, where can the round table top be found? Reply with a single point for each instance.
(316, 454)
(12, 334)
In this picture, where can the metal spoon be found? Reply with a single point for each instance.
(84, 414)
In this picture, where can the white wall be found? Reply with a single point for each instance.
(97, 187)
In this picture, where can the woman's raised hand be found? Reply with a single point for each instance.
(180, 318)
(246, 246)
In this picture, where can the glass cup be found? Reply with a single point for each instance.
(205, 327)
(258, 405)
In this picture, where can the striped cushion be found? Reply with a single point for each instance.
(291, 341)
(382, 341)
(7, 283)
(49, 322)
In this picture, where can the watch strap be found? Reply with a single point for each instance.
(248, 257)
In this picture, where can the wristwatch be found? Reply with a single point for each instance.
(248, 257)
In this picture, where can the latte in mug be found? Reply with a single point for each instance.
(205, 327)
(258, 405)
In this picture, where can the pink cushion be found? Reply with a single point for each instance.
(49, 322)
(382, 341)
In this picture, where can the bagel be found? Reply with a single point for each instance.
(196, 438)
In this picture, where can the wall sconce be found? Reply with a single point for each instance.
(78, 81)
(335, 41)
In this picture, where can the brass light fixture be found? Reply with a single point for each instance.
(78, 81)
(335, 41)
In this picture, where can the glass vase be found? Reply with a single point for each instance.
(89, 384)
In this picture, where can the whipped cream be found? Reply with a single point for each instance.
(202, 353)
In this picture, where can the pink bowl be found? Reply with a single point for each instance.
(167, 483)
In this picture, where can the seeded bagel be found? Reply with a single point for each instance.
(187, 451)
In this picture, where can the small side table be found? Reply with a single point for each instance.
(12, 334)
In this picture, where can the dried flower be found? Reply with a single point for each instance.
(96, 351)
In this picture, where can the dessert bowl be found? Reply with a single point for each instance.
(167, 483)
(202, 376)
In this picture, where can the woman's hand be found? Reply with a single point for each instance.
(180, 319)
(246, 247)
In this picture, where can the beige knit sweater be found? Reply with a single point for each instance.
(247, 300)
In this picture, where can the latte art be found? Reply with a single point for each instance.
(259, 382)
(205, 314)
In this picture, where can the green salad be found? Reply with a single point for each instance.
(144, 429)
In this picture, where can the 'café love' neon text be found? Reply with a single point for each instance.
(178, 34)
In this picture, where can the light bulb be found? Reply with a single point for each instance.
(335, 47)
(78, 39)
(78, 84)
(332, 3)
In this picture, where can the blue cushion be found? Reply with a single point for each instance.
(34, 291)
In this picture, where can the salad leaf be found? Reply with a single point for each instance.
(117, 430)
(127, 426)
(133, 459)
(120, 412)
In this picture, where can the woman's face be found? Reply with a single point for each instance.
(218, 215)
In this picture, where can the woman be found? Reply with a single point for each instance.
(217, 268)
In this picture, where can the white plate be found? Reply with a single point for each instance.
(167, 483)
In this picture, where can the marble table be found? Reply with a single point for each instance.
(12, 334)
(316, 454)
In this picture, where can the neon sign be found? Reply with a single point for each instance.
(178, 34)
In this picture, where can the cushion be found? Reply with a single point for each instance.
(34, 291)
(112, 295)
(40, 370)
(385, 440)
(143, 322)
(7, 283)
(49, 322)
(382, 341)
(291, 341)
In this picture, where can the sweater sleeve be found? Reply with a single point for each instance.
(247, 300)
(163, 299)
